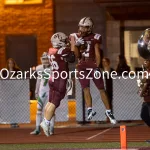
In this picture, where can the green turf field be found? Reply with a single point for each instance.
(103, 145)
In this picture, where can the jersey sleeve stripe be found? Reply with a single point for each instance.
(64, 55)
(97, 36)
(60, 50)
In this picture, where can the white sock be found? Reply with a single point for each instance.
(46, 121)
(89, 108)
(108, 110)
(38, 118)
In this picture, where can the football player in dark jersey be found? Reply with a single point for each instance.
(59, 57)
(144, 82)
(86, 46)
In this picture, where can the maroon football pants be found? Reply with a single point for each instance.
(57, 91)
(86, 71)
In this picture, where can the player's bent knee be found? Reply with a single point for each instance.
(48, 104)
(56, 103)
(58, 96)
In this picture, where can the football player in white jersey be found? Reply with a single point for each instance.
(42, 92)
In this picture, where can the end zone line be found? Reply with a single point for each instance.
(91, 137)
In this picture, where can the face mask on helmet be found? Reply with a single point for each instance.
(44, 59)
(83, 31)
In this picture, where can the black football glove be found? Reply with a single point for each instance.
(71, 57)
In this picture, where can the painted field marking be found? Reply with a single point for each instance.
(100, 133)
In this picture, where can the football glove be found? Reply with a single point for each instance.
(79, 42)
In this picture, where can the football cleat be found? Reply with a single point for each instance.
(110, 116)
(35, 132)
(91, 114)
(45, 128)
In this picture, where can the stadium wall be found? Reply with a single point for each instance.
(35, 19)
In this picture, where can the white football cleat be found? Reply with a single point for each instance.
(91, 114)
(45, 128)
(111, 117)
(35, 132)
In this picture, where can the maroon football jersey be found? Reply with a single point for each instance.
(84, 64)
(90, 41)
(58, 61)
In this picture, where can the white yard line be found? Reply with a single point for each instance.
(91, 137)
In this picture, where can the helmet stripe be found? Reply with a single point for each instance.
(60, 50)
(84, 20)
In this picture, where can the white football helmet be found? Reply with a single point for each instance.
(45, 59)
(59, 39)
(86, 25)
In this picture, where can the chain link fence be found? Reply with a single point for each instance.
(126, 103)
(14, 101)
(17, 107)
